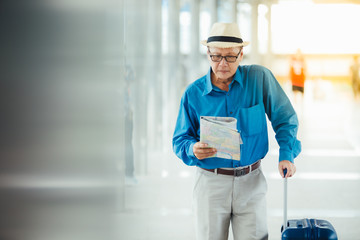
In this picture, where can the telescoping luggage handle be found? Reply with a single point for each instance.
(321, 228)
(285, 199)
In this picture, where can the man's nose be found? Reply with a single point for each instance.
(223, 62)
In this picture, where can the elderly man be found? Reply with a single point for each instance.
(229, 190)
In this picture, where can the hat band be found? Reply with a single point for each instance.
(224, 39)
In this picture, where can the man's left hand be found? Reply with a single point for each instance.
(286, 164)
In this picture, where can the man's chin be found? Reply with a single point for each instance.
(223, 75)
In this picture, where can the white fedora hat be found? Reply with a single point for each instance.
(224, 35)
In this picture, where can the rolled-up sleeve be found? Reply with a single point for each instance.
(283, 118)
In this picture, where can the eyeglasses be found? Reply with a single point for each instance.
(229, 59)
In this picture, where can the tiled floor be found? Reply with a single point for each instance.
(326, 186)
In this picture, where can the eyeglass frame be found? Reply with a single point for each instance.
(222, 57)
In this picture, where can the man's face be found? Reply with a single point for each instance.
(224, 69)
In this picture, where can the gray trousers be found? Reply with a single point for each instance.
(219, 200)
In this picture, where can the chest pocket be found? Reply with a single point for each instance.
(252, 120)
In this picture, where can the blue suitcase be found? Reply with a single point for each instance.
(305, 229)
(314, 229)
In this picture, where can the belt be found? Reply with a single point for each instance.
(236, 172)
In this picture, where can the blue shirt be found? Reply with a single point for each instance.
(253, 92)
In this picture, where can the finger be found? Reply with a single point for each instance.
(202, 145)
(202, 148)
(288, 172)
(204, 155)
(201, 153)
(207, 150)
(292, 171)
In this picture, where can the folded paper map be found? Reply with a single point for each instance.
(221, 133)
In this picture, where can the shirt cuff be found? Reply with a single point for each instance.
(190, 151)
(286, 155)
(191, 155)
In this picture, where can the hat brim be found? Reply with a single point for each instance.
(224, 44)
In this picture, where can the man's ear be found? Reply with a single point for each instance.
(241, 55)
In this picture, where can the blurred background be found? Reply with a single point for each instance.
(89, 94)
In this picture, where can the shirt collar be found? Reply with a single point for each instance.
(209, 86)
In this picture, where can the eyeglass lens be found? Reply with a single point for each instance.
(230, 59)
(218, 58)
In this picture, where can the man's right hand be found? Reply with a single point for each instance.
(201, 150)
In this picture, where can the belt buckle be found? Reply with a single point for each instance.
(239, 172)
